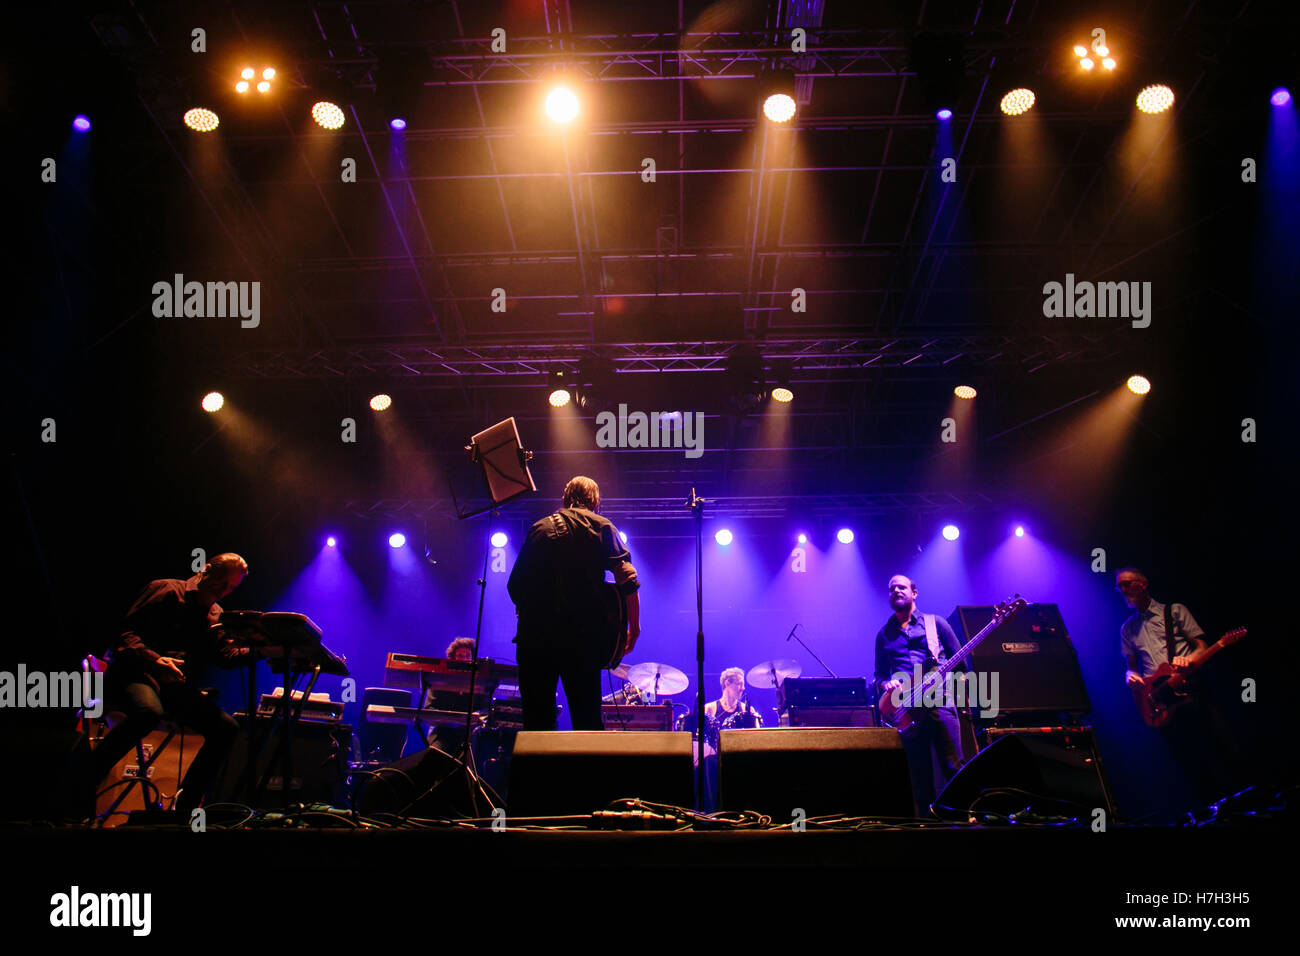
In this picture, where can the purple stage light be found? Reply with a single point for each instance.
(81, 124)
(723, 537)
(844, 536)
(1020, 531)
(499, 539)
(944, 114)
(803, 539)
(397, 123)
(1281, 96)
(396, 540)
(950, 532)
(331, 541)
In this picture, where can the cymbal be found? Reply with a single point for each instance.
(670, 679)
(760, 675)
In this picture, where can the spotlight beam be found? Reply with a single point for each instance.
(397, 224)
(1180, 104)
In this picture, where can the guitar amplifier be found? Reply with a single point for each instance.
(824, 692)
(637, 717)
(1037, 666)
(860, 716)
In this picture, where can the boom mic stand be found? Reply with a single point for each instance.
(809, 649)
(696, 506)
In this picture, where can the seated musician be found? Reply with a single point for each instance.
(449, 735)
(729, 712)
(166, 639)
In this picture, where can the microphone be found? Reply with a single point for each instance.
(791, 634)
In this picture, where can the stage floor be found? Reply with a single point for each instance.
(320, 884)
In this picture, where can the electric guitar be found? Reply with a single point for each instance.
(896, 705)
(1160, 694)
(611, 624)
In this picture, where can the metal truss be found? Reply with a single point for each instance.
(466, 61)
(522, 365)
(668, 509)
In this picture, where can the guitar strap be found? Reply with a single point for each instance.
(931, 636)
(1169, 632)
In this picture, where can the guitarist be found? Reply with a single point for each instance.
(555, 586)
(910, 640)
(1157, 633)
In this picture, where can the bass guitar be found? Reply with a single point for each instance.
(896, 705)
(1163, 692)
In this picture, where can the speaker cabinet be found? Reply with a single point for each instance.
(166, 772)
(823, 771)
(1054, 773)
(319, 765)
(1037, 667)
(553, 773)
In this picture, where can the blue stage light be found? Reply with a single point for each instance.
(331, 541)
(844, 536)
(396, 540)
(499, 539)
(950, 532)
(81, 124)
(723, 537)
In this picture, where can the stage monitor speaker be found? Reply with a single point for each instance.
(556, 773)
(858, 772)
(1033, 656)
(1050, 775)
(319, 762)
(430, 783)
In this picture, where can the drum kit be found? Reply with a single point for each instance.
(648, 682)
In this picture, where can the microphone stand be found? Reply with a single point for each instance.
(809, 650)
(696, 506)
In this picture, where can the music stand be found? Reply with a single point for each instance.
(504, 463)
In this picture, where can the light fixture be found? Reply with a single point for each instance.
(241, 86)
(247, 73)
(951, 532)
(723, 537)
(1155, 98)
(81, 124)
(562, 105)
(397, 123)
(965, 391)
(1281, 96)
(1018, 101)
(201, 120)
(263, 86)
(499, 539)
(380, 402)
(213, 401)
(396, 540)
(331, 541)
(1109, 63)
(1138, 384)
(782, 394)
(1087, 63)
(844, 536)
(327, 115)
(944, 114)
(802, 539)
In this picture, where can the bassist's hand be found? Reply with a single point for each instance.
(1134, 677)
(1182, 663)
(632, 634)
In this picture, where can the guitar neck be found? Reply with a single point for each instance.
(1200, 657)
(939, 672)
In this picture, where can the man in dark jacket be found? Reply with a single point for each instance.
(555, 586)
(167, 638)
